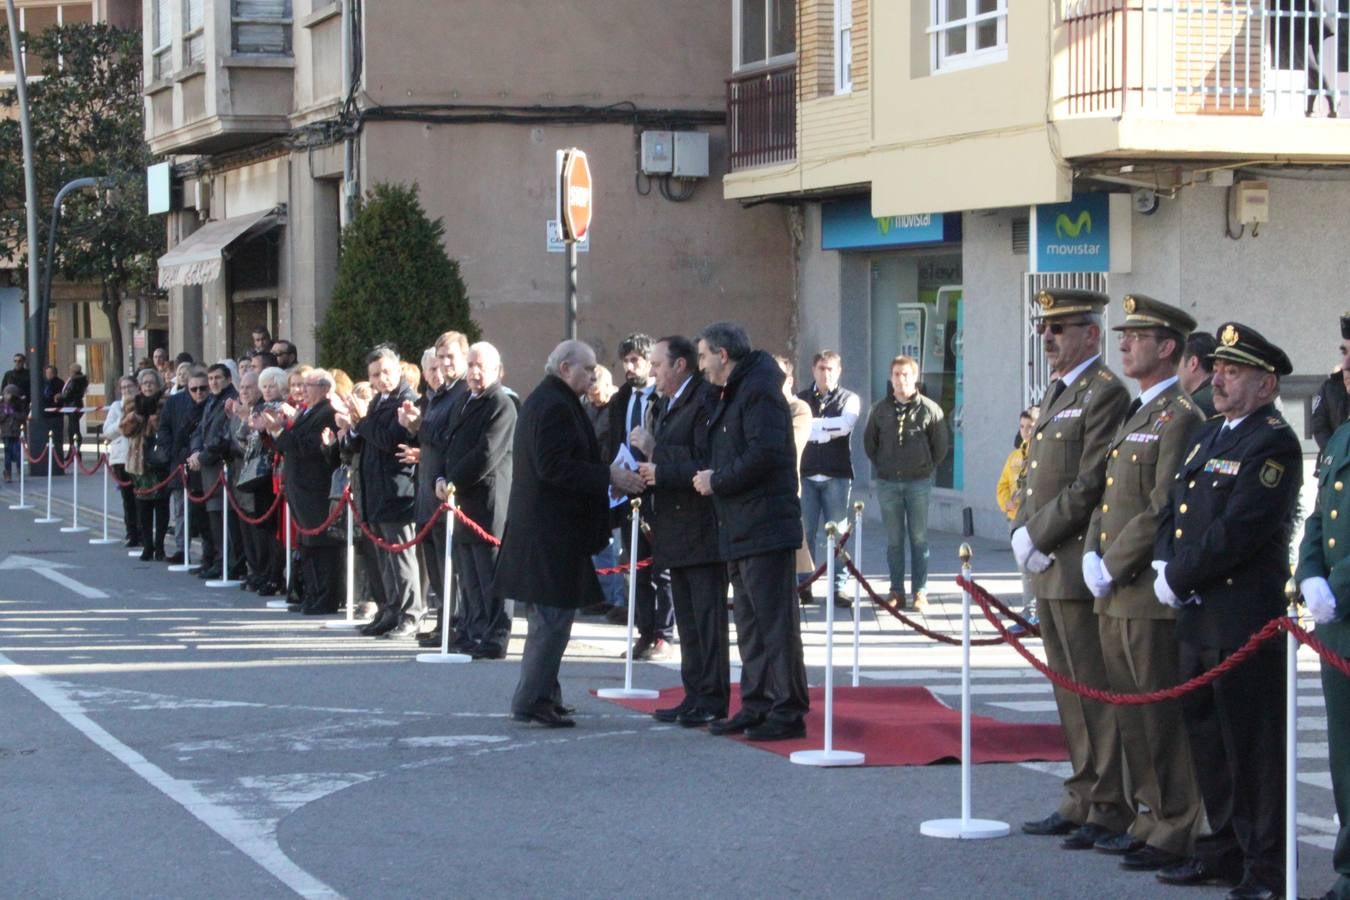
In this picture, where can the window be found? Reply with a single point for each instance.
(969, 33)
(766, 32)
(261, 26)
(194, 38)
(162, 36)
(843, 46)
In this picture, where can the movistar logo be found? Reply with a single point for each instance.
(1065, 226)
(902, 223)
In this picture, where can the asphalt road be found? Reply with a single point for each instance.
(169, 740)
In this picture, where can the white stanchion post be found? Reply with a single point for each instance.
(965, 827)
(349, 622)
(23, 462)
(857, 593)
(829, 756)
(105, 539)
(1291, 749)
(286, 528)
(445, 656)
(185, 539)
(74, 527)
(49, 518)
(224, 580)
(628, 692)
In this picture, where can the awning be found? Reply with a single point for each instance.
(198, 258)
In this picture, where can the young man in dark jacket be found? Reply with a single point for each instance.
(209, 451)
(182, 412)
(752, 478)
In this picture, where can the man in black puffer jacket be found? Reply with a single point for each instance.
(752, 479)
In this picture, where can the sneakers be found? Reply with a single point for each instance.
(920, 601)
(650, 647)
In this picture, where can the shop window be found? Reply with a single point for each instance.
(766, 32)
(968, 33)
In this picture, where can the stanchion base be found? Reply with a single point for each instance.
(344, 625)
(21, 506)
(969, 830)
(223, 582)
(444, 658)
(106, 542)
(134, 552)
(46, 521)
(181, 567)
(74, 529)
(627, 694)
(277, 604)
(827, 758)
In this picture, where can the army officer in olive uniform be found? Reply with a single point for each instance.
(1066, 470)
(1324, 579)
(1222, 558)
(1139, 645)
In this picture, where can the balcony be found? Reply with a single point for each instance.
(762, 117)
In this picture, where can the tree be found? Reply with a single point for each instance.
(88, 120)
(395, 283)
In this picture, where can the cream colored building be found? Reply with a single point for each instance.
(276, 114)
(949, 158)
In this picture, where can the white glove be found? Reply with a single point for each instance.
(1022, 546)
(1319, 598)
(1161, 589)
(1038, 562)
(1096, 577)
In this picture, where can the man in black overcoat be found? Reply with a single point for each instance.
(182, 411)
(557, 518)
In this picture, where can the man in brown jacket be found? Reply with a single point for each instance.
(1137, 633)
(1066, 472)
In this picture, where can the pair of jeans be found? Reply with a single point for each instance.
(822, 502)
(612, 586)
(12, 460)
(904, 511)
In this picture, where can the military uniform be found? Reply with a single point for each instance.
(1225, 538)
(1137, 632)
(1203, 397)
(1325, 553)
(1066, 470)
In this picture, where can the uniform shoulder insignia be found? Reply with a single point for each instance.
(1271, 473)
(1184, 403)
(1105, 375)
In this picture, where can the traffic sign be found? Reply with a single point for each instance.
(575, 195)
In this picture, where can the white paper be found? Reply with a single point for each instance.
(623, 458)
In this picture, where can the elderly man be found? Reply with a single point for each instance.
(751, 476)
(177, 422)
(477, 461)
(557, 518)
(209, 451)
(1222, 559)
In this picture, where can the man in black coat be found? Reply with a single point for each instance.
(557, 518)
(752, 477)
(1331, 403)
(72, 395)
(1222, 560)
(684, 531)
(182, 411)
(209, 449)
(388, 486)
(478, 464)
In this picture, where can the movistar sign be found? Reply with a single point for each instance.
(1074, 236)
(850, 225)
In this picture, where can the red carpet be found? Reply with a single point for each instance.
(901, 726)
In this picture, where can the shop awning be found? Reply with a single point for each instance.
(198, 258)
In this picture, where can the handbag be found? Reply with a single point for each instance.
(256, 473)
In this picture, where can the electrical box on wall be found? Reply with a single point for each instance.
(658, 153)
(691, 154)
(1251, 202)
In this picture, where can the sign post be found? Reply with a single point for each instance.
(574, 219)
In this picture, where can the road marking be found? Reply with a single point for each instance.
(1043, 687)
(1028, 706)
(258, 844)
(47, 569)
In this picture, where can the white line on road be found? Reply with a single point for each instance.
(256, 843)
(1028, 706)
(84, 590)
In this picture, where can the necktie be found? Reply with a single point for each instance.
(1134, 408)
(1056, 389)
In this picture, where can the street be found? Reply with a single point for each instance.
(163, 739)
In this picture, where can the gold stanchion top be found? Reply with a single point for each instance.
(831, 529)
(965, 553)
(1291, 591)
(857, 506)
(635, 504)
(450, 489)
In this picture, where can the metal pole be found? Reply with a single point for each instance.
(105, 539)
(351, 569)
(284, 601)
(445, 656)
(965, 691)
(48, 519)
(1291, 750)
(23, 448)
(570, 287)
(224, 580)
(184, 539)
(831, 542)
(857, 592)
(628, 691)
(74, 462)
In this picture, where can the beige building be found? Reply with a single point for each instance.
(277, 113)
(951, 158)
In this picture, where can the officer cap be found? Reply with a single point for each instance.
(1058, 303)
(1240, 344)
(1145, 312)
(1345, 326)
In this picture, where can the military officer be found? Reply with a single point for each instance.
(1324, 580)
(1138, 643)
(1066, 471)
(1222, 560)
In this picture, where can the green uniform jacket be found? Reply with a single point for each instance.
(1140, 465)
(1066, 471)
(1325, 550)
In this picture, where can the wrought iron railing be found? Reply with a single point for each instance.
(762, 117)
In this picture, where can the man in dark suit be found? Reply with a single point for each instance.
(684, 531)
(1222, 560)
(557, 518)
(478, 464)
(182, 412)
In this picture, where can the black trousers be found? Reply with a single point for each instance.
(129, 516)
(323, 588)
(1236, 727)
(654, 615)
(431, 557)
(768, 635)
(699, 594)
(485, 617)
(154, 517)
(545, 643)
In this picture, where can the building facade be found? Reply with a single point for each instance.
(949, 160)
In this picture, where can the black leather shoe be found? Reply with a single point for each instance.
(1191, 871)
(1118, 844)
(404, 629)
(176, 558)
(1150, 859)
(381, 624)
(430, 639)
(1085, 837)
(316, 611)
(1050, 825)
(776, 730)
(1250, 889)
(563, 709)
(842, 600)
(147, 554)
(670, 713)
(549, 718)
(488, 650)
(735, 725)
(268, 589)
(696, 718)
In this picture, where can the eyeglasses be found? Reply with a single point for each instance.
(1344, 350)
(1136, 336)
(197, 390)
(1058, 327)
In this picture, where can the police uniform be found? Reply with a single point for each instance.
(1066, 471)
(1137, 632)
(1325, 553)
(1225, 539)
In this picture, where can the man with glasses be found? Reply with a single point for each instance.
(210, 451)
(1066, 473)
(1331, 404)
(182, 411)
(284, 351)
(18, 376)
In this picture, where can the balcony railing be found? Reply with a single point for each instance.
(1207, 57)
(762, 117)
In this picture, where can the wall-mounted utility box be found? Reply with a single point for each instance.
(658, 153)
(691, 154)
(1251, 202)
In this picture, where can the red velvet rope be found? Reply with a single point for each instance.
(244, 517)
(209, 492)
(63, 465)
(34, 460)
(327, 523)
(476, 528)
(176, 474)
(102, 459)
(894, 610)
(388, 547)
(1329, 656)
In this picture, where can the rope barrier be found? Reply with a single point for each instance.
(209, 492)
(894, 610)
(277, 500)
(70, 458)
(388, 547)
(156, 488)
(102, 460)
(327, 523)
(35, 460)
(476, 528)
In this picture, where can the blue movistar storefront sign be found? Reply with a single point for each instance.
(850, 225)
(1073, 236)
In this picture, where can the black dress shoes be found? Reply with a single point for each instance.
(776, 730)
(671, 714)
(268, 589)
(696, 718)
(1051, 825)
(1251, 889)
(1192, 871)
(735, 725)
(1150, 859)
(548, 717)
(1085, 837)
(176, 559)
(382, 623)
(404, 629)
(488, 650)
(430, 639)
(1118, 844)
(563, 709)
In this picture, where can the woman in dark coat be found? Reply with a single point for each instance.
(145, 463)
